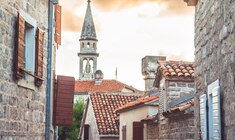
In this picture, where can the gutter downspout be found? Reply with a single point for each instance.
(49, 68)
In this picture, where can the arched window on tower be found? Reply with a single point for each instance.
(91, 61)
(88, 45)
(84, 65)
(94, 45)
(82, 45)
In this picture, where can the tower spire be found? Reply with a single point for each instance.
(88, 46)
(88, 29)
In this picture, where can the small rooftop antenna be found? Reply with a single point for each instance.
(116, 73)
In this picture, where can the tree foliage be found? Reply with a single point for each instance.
(71, 133)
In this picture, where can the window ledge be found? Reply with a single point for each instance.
(26, 84)
(29, 73)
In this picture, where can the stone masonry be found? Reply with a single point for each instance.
(152, 131)
(178, 91)
(177, 128)
(22, 110)
(173, 93)
(215, 58)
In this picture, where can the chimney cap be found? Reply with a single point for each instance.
(99, 75)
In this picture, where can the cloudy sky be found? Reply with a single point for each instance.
(127, 31)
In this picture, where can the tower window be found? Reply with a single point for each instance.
(88, 45)
(84, 64)
(82, 45)
(94, 46)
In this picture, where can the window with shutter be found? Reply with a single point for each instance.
(138, 132)
(86, 132)
(210, 116)
(29, 58)
(58, 24)
(203, 116)
(124, 132)
(39, 57)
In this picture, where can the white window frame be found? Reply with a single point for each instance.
(30, 48)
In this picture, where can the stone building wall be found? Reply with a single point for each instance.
(215, 57)
(177, 128)
(178, 91)
(152, 131)
(173, 93)
(22, 110)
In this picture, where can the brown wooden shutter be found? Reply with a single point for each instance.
(86, 132)
(20, 47)
(58, 24)
(138, 133)
(39, 57)
(63, 107)
(124, 132)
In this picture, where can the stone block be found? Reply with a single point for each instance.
(191, 85)
(174, 94)
(223, 33)
(172, 84)
(181, 84)
(0, 98)
(2, 112)
(13, 101)
(174, 89)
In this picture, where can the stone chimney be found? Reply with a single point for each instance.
(149, 68)
(98, 77)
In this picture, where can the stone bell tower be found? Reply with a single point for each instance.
(88, 47)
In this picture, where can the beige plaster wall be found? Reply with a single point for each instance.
(127, 118)
(90, 120)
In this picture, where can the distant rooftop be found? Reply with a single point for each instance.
(104, 105)
(177, 69)
(104, 86)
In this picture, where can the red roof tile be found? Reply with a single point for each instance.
(179, 108)
(139, 101)
(104, 105)
(177, 69)
(105, 86)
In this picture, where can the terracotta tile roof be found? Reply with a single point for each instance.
(176, 69)
(105, 86)
(137, 102)
(104, 105)
(179, 108)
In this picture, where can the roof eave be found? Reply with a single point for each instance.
(130, 108)
(108, 135)
(179, 79)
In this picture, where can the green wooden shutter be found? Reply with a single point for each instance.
(203, 116)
